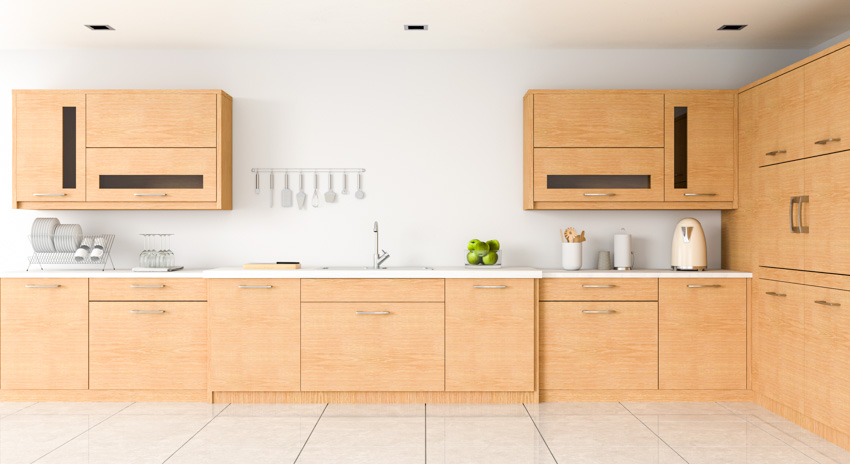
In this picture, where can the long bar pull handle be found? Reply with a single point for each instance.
(139, 311)
(609, 311)
(147, 286)
(150, 194)
(794, 229)
(598, 286)
(43, 286)
(826, 303)
(775, 294)
(255, 286)
(825, 141)
(600, 194)
(703, 286)
(700, 194)
(48, 194)
(489, 286)
(372, 313)
(775, 152)
(800, 227)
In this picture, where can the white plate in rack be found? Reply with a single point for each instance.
(42, 234)
(68, 237)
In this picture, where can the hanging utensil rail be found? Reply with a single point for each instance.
(314, 170)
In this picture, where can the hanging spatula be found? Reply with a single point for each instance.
(330, 195)
(286, 194)
(301, 196)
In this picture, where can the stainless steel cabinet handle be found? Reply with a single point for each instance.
(800, 227)
(600, 194)
(147, 286)
(609, 311)
(826, 303)
(774, 153)
(489, 286)
(139, 311)
(255, 286)
(598, 286)
(775, 294)
(150, 194)
(703, 286)
(48, 194)
(43, 286)
(372, 313)
(794, 229)
(700, 194)
(825, 141)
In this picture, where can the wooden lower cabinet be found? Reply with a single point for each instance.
(44, 334)
(490, 334)
(255, 334)
(599, 345)
(372, 347)
(702, 339)
(148, 345)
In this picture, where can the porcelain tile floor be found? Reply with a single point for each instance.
(594, 433)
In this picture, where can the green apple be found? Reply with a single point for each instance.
(481, 249)
(494, 245)
(471, 245)
(491, 258)
(473, 258)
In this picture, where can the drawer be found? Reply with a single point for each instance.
(151, 174)
(598, 174)
(618, 289)
(147, 289)
(331, 290)
(147, 346)
(372, 347)
(607, 346)
(149, 119)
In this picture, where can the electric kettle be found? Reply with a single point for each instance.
(688, 246)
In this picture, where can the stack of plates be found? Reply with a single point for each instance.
(68, 237)
(42, 234)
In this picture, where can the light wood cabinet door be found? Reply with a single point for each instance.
(151, 120)
(778, 347)
(49, 146)
(598, 120)
(778, 119)
(147, 289)
(702, 334)
(780, 186)
(148, 345)
(826, 215)
(827, 100)
(372, 347)
(490, 334)
(44, 334)
(372, 290)
(255, 334)
(827, 343)
(699, 147)
(599, 345)
(580, 289)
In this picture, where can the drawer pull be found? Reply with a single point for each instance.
(372, 313)
(598, 286)
(775, 152)
(43, 286)
(48, 194)
(255, 286)
(147, 286)
(703, 286)
(150, 194)
(600, 194)
(825, 141)
(827, 303)
(700, 194)
(607, 311)
(489, 286)
(140, 311)
(775, 294)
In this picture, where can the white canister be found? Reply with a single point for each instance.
(571, 256)
(623, 256)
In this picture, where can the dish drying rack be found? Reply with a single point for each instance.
(61, 257)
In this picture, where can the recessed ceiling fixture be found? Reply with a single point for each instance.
(731, 27)
(415, 27)
(100, 27)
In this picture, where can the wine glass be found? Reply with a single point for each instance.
(145, 255)
(166, 253)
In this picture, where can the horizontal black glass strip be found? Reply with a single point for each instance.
(610, 182)
(69, 147)
(152, 182)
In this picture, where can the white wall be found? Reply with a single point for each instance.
(823, 46)
(440, 133)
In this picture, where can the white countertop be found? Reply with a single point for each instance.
(95, 273)
(646, 273)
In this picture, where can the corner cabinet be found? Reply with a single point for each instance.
(629, 149)
(122, 149)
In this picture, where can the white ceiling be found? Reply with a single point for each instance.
(454, 24)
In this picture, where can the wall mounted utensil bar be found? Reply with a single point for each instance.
(286, 194)
(310, 170)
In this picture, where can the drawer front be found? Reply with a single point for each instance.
(147, 289)
(598, 174)
(599, 289)
(607, 346)
(158, 120)
(148, 346)
(372, 347)
(151, 174)
(353, 290)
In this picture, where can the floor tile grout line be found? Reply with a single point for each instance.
(653, 431)
(311, 433)
(196, 433)
(540, 433)
(81, 433)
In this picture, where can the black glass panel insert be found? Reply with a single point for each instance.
(680, 147)
(152, 182)
(597, 182)
(69, 147)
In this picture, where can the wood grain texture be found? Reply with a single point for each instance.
(151, 161)
(596, 162)
(44, 334)
(840, 282)
(827, 243)
(372, 290)
(528, 151)
(399, 351)
(797, 417)
(711, 150)
(145, 289)
(224, 143)
(119, 205)
(584, 351)
(827, 103)
(631, 205)
(374, 397)
(644, 395)
(165, 351)
(155, 120)
(584, 289)
(777, 122)
(490, 335)
(738, 227)
(193, 396)
(778, 246)
(783, 275)
(702, 334)
(37, 141)
(581, 119)
(255, 335)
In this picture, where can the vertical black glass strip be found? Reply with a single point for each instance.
(69, 147)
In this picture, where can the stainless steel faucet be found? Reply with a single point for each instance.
(378, 257)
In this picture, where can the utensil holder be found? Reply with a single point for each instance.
(571, 256)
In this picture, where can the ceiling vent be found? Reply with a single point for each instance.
(731, 27)
(415, 27)
(100, 27)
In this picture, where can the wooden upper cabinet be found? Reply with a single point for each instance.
(598, 120)
(827, 104)
(776, 130)
(151, 120)
(699, 146)
(49, 145)
(779, 240)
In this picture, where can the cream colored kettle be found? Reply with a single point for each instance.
(688, 246)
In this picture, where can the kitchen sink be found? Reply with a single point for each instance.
(367, 268)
